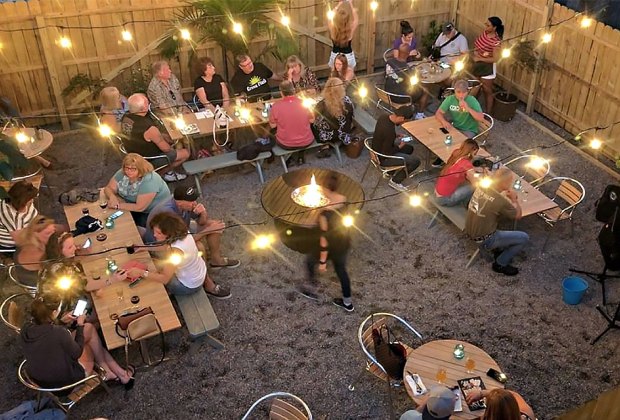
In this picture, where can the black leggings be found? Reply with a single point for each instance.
(339, 259)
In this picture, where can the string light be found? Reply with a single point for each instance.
(485, 182)
(263, 241)
(348, 221)
(308, 102)
(185, 34)
(285, 20)
(596, 144)
(586, 22)
(459, 65)
(244, 114)
(237, 28)
(415, 200)
(506, 53)
(64, 283)
(126, 35)
(64, 42)
(179, 123)
(105, 130)
(374, 6)
(176, 256)
(536, 162)
(414, 80)
(362, 92)
(546, 38)
(21, 137)
(331, 14)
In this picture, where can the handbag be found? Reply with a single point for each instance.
(354, 149)
(137, 325)
(123, 321)
(392, 355)
(436, 51)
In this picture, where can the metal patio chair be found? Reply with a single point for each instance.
(387, 98)
(14, 309)
(385, 170)
(530, 168)
(280, 409)
(485, 128)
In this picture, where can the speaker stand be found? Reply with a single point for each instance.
(598, 277)
(612, 322)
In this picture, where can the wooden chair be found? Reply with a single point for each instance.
(282, 410)
(485, 128)
(14, 309)
(77, 390)
(376, 162)
(385, 97)
(531, 168)
(569, 194)
(32, 290)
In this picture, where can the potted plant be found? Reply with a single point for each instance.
(523, 56)
(429, 38)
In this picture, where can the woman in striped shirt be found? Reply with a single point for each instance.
(487, 51)
(16, 212)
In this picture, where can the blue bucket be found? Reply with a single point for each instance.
(574, 288)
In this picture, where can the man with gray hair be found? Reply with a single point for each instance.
(485, 208)
(142, 136)
(164, 91)
(252, 79)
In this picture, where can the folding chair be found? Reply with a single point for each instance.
(282, 410)
(385, 97)
(531, 168)
(375, 160)
(571, 192)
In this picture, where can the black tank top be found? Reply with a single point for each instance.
(345, 49)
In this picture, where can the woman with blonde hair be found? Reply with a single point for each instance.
(300, 76)
(454, 185)
(31, 243)
(113, 107)
(341, 30)
(334, 116)
(136, 187)
(341, 69)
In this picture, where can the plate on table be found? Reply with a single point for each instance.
(190, 129)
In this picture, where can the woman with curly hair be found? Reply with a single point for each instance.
(341, 30)
(334, 116)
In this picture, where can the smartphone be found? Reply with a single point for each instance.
(406, 139)
(87, 244)
(116, 214)
(444, 65)
(80, 307)
(497, 375)
(443, 130)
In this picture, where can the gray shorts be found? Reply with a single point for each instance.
(171, 156)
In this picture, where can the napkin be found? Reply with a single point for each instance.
(412, 380)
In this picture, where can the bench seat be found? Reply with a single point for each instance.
(364, 120)
(283, 154)
(198, 313)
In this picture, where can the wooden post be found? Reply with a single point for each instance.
(370, 38)
(454, 10)
(47, 47)
(531, 97)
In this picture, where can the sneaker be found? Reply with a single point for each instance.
(174, 176)
(420, 116)
(437, 163)
(339, 302)
(229, 263)
(486, 254)
(220, 292)
(306, 292)
(397, 186)
(507, 270)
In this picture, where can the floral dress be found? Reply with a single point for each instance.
(330, 128)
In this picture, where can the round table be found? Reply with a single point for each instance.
(428, 358)
(36, 145)
(296, 224)
(432, 72)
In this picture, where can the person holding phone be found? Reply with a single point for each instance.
(55, 357)
(454, 185)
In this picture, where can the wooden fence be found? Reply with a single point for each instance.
(35, 69)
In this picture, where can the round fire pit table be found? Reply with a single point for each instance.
(296, 224)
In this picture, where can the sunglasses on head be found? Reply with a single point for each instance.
(174, 97)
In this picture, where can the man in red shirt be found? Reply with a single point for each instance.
(292, 121)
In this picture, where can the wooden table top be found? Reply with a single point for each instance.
(106, 301)
(428, 358)
(276, 197)
(427, 131)
(36, 145)
(432, 73)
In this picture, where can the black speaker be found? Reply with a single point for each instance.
(607, 206)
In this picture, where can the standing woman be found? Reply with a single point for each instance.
(406, 37)
(302, 78)
(341, 30)
(454, 185)
(333, 244)
(486, 53)
(334, 116)
(341, 69)
(210, 87)
(113, 107)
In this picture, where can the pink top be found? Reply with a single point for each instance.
(292, 121)
(485, 44)
(453, 177)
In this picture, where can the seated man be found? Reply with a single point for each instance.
(485, 208)
(437, 405)
(386, 141)
(397, 81)
(291, 120)
(184, 204)
(164, 91)
(251, 79)
(144, 138)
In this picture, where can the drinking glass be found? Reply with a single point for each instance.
(470, 365)
(120, 293)
(441, 375)
(103, 200)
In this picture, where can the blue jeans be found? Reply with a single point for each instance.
(175, 287)
(510, 241)
(460, 196)
(411, 161)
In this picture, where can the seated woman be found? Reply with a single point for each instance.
(113, 107)
(406, 37)
(341, 69)
(137, 188)
(334, 116)
(190, 274)
(302, 78)
(16, 212)
(210, 87)
(56, 358)
(503, 404)
(31, 249)
(454, 186)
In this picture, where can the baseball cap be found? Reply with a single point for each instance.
(405, 111)
(447, 27)
(440, 404)
(187, 193)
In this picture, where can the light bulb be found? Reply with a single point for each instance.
(308, 102)
(596, 144)
(373, 6)
(285, 20)
(126, 35)
(485, 182)
(21, 137)
(347, 221)
(244, 114)
(506, 53)
(414, 80)
(546, 38)
(64, 283)
(185, 34)
(459, 65)
(237, 28)
(179, 123)
(536, 162)
(64, 42)
(105, 130)
(586, 22)
(362, 92)
(262, 241)
(176, 256)
(415, 200)
(331, 14)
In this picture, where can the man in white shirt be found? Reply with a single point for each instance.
(455, 49)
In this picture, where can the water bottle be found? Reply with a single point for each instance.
(265, 111)
(448, 140)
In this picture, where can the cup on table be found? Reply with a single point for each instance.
(441, 375)
(470, 365)
(120, 293)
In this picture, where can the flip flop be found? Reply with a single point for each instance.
(230, 263)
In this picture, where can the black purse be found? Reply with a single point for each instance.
(392, 355)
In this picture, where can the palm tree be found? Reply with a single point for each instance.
(212, 20)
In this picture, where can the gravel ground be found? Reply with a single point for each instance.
(277, 340)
